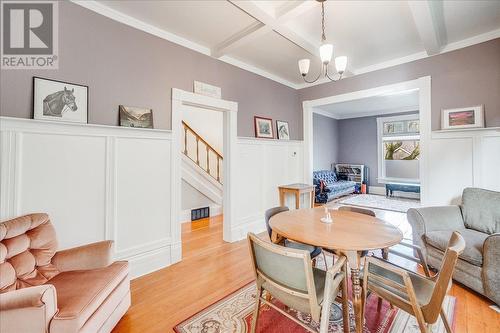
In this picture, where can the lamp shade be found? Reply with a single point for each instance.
(304, 66)
(340, 64)
(325, 53)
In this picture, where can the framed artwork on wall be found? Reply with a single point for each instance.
(263, 127)
(60, 101)
(282, 130)
(131, 116)
(470, 117)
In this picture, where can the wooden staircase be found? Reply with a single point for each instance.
(202, 153)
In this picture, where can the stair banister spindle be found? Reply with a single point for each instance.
(209, 149)
(197, 150)
(218, 168)
(185, 140)
(208, 159)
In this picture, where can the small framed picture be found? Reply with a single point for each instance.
(282, 130)
(413, 126)
(469, 117)
(131, 116)
(263, 127)
(60, 101)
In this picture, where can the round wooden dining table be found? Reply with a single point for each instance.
(349, 234)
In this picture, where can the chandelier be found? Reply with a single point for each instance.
(325, 53)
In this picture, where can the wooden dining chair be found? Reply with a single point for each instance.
(420, 296)
(287, 274)
(313, 250)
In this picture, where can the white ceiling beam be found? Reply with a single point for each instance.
(242, 37)
(266, 23)
(428, 26)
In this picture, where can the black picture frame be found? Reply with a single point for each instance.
(39, 114)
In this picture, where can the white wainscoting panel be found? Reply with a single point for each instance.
(490, 162)
(142, 193)
(96, 183)
(262, 165)
(64, 175)
(460, 159)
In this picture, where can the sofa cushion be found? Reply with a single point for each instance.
(474, 240)
(328, 176)
(341, 185)
(80, 293)
(481, 210)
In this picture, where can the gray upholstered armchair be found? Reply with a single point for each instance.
(478, 221)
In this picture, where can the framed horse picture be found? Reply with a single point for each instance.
(60, 101)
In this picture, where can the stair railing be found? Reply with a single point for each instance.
(209, 151)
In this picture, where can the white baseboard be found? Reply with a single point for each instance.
(186, 214)
(240, 231)
(150, 261)
(380, 190)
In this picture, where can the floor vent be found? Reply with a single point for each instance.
(200, 213)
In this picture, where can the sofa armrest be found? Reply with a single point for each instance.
(22, 310)
(90, 256)
(491, 267)
(423, 220)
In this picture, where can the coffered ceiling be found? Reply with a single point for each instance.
(269, 37)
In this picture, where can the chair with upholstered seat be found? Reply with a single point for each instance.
(44, 290)
(418, 295)
(478, 221)
(287, 274)
(313, 250)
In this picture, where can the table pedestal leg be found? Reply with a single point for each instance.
(353, 258)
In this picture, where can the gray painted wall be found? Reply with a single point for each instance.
(358, 143)
(123, 65)
(326, 142)
(465, 77)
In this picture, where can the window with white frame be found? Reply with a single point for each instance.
(399, 149)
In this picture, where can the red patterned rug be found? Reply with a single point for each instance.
(233, 313)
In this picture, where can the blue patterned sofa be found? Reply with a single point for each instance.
(334, 187)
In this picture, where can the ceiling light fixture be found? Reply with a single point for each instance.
(325, 53)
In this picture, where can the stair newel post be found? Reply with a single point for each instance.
(197, 150)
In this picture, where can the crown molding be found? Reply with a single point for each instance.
(143, 26)
(101, 9)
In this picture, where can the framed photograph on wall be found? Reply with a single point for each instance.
(131, 116)
(470, 117)
(282, 130)
(263, 127)
(60, 101)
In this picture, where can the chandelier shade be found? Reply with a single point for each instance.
(325, 53)
(304, 66)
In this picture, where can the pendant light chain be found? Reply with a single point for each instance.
(323, 36)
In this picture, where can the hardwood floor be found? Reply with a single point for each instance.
(211, 269)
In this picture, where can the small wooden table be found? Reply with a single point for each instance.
(297, 190)
(349, 234)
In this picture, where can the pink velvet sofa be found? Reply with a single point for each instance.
(45, 290)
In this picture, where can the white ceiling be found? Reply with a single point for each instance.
(269, 37)
(372, 106)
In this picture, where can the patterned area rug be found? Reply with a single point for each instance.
(233, 314)
(380, 202)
